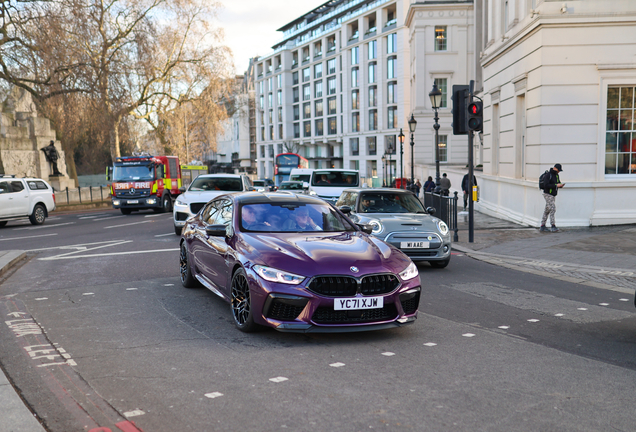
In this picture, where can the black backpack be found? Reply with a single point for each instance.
(543, 180)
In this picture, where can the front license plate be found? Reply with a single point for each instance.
(358, 303)
(133, 201)
(415, 245)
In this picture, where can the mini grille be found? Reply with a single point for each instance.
(195, 207)
(379, 284)
(284, 312)
(410, 306)
(334, 286)
(326, 315)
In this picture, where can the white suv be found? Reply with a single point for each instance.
(25, 197)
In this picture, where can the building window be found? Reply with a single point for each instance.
(319, 127)
(331, 85)
(262, 118)
(355, 100)
(279, 80)
(373, 98)
(443, 87)
(296, 130)
(306, 74)
(440, 38)
(389, 144)
(262, 151)
(307, 110)
(391, 43)
(260, 87)
(263, 137)
(372, 149)
(307, 129)
(392, 118)
(279, 97)
(271, 150)
(294, 78)
(306, 92)
(261, 102)
(331, 105)
(270, 101)
(620, 137)
(391, 92)
(295, 94)
(280, 131)
(271, 132)
(372, 50)
(354, 56)
(354, 77)
(354, 146)
(305, 54)
(269, 84)
(333, 129)
(296, 112)
(318, 89)
(318, 71)
(372, 76)
(331, 66)
(443, 148)
(318, 108)
(355, 122)
(317, 49)
(294, 59)
(280, 114)
(391, 68)
(331, 44)
(373, 120)
(271, 116)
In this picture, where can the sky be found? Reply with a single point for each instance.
(250, 25)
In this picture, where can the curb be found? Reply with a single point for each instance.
(10, 259)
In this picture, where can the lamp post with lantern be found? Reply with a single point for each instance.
(384, 170)
(436, 100)
(401, 138)
(412, 124)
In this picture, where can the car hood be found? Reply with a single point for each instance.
(200, 197)
(310, 254)
(406, 221)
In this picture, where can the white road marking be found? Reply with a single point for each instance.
(213, 395)
(278, 379)
(558, 315)
(158, 214)
(603, 304)
(129, 224)
(110, 217)
(43, 226)
(168, 284)
(581, 308)
(131, 289)
(338, 364)
(468, 335)
(533, 320)
(164, 235)
(504, 327)
(88, 294)
(88, 217)
(42, 298)
(388, 354)
(134, 413)
(83, 246)
(430, 344)
(22, 238)
(623, 299)
(61, 257)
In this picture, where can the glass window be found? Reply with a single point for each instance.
(354, 77)
(294, 78)
(319, 127)
(295, 95)
(318, 70)
(389, 144)
(279, 97)
(331, 85)
(440, 38)
(296, 112)
(271, 116)
(354, 146)
(307, 128)
(307, 110)
(373, 119)
(443, 87)
(260, 87)
(372, 76)
(371, 146)
(270, 100)
(443, 148)
(620, 137)
(392, 118)
(307, 92)
(261, 102)
(354, 56)
(296, 130)
(318, 108)
(280, 114)
(271, 133)
(263, 137)
(372, 50)
(391, 43)
(318, 89)
(391, 92)
(391, 71)
(279, 81)
(331, 105)
(331, 66)
(355, 100)
(280, 131)
(355, 122)
(306, 74)
(373, 98)
(332, 125)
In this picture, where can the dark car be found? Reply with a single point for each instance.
(264, 185)
(296, 263)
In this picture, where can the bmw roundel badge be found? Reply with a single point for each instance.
(354, 269)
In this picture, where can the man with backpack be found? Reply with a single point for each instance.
(550, 183)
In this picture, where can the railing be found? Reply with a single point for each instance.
(445, 209)
(83, 195)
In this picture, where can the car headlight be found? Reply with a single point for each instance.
(443, 228)
(312, 193)
(377, 226)
(180, 202)
(409, 273)
(275, 275)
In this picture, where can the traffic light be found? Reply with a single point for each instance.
(476, 116)
(460, 98)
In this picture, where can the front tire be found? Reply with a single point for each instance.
(185, 271)
(241, 303)
(39, 215)
(440, 264)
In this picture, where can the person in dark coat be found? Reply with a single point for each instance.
(51, 155)
(549, 194)
(445, 184)
(467, 189)
(429, 185)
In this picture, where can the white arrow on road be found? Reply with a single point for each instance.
(16, 314)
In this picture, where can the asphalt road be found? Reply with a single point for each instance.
(492, 349)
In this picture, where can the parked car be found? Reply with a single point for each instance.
(203, 189)
(399, 218)
(293, 187)
(25, 197)
(264, 185)
(297, 264)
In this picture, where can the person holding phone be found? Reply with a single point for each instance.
(549, 194)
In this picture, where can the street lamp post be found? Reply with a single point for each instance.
(401, 138)
(412, 124)
(436, 100)
(384, 170)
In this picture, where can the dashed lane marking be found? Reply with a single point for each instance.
(278, 379)
(337, 364)
(128, 224)
(43, 226)
(213, 395)
(28, 237)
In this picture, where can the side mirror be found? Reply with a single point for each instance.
(305, 185)
(182, 189)
(109, 173)
(345, 209)
(217, 230)
(365, 228)
(430, 210)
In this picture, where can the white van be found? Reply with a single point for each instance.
(327, 183)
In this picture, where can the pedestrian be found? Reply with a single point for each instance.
(552, 186)
(419, 187)
(429, 185)
(51, 155)
(467, 189)
(445, 184)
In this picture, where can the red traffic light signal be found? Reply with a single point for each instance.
(475, 116)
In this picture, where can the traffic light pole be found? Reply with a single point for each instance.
(471, 208)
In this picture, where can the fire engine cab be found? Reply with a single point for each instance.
(142, 182)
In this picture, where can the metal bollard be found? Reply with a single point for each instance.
(67, 198)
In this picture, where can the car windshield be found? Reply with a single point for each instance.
(258, 182)
(389, 203)
(300, 177)
(229, 184)
(285, 217)
(134, 173)
(291, 186)
(335, 178)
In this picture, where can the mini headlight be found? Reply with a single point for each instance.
(443, 228)
(275, 275)
(377, 226)
(409, 273)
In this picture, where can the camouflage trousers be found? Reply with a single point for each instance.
(550, 208)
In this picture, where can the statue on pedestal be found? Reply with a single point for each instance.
(51, 154)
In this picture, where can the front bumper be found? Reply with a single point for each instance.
(137, 203)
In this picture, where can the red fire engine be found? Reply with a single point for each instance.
(142, 182)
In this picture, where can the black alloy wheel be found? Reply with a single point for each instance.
(185, 271)
(39, 215)
(241, 303)
(440, 264)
